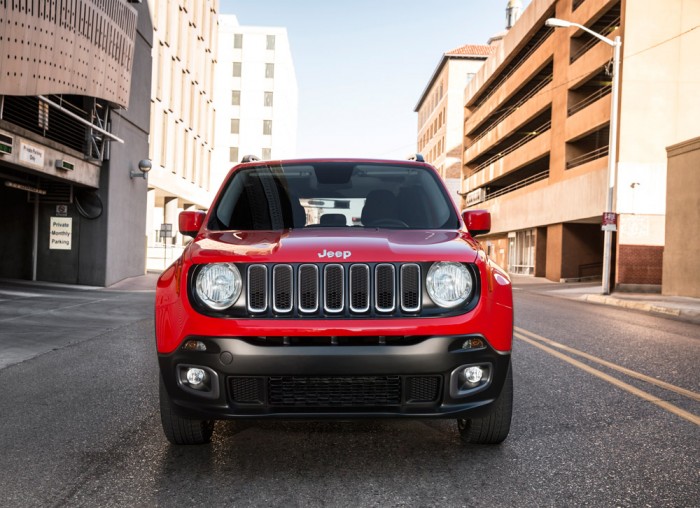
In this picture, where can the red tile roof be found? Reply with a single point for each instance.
(472, 50)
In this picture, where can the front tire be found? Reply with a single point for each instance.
(495, 426)
(179, 430)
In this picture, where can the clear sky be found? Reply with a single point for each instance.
(362, 65)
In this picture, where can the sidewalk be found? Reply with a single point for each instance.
(145, 282)
(681, 307)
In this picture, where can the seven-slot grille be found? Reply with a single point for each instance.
(334, 289)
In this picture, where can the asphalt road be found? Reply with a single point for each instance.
(79, 423)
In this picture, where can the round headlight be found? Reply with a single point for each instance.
(449, 284)
(219, 285)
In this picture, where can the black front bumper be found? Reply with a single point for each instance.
(253, 378)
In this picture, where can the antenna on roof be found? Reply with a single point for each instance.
(418, 157)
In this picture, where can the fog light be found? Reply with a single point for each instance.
(473, 374)
(196, 377)
(470, 379)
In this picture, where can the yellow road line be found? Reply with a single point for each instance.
(616, 382)
(661, 384)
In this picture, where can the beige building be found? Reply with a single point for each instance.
(441, 110)
(681, 276)
(182, 117)
(536, 135)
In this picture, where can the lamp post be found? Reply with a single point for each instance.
(612, 143)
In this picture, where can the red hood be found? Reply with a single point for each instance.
(332, 245)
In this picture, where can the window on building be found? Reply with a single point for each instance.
(521, 252)
(268, 99)
(235, 125)
(237, 41)
(270, 42)
(233, 154)
(267, 127)
(236, 69)
(236, 98)
(266, 154)
(470, 75)
(269, 70)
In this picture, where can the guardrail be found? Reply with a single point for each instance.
(607, 30)
(517, 185)
(507, 112)
(587, 157)
(495, 86)
(533, 134)
(602, 92)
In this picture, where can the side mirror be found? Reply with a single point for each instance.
(191, 222)
(478, 222)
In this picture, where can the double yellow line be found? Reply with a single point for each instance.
(556, 349)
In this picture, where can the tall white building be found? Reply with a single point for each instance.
(182, 119)
(256, 96)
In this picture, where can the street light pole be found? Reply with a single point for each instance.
(612, 142)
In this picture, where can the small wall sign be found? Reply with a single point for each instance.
(60, 233)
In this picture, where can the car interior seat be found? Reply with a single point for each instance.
(379, 204)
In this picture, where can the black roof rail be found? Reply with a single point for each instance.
(250, 158)
(418, 157)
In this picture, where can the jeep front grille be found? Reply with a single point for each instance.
(334, 289)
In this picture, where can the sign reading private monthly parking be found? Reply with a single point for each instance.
(31, 155)
(60, 233)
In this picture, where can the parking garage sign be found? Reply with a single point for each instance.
(60, 233)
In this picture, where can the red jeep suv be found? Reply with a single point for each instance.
(334, 288)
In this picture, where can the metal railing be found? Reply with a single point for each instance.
(516, 65)
(510, 109)
(583, 103)
(32, 114)
(587, 157)
(518, 185)
(606, 30)
(531, 135)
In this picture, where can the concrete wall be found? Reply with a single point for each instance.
(111, 247)
(681, 268)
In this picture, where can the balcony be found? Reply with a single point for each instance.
(540, 102)
(529, 90)
(590, 115)
(526, 153)
(588, 148)
(509, 84)
(506, 145)
(589, 92)
(38, 117)
(605, 25)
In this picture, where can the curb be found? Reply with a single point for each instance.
(647, 307)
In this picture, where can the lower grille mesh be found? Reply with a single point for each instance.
(334, 391)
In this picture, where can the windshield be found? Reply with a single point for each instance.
(333, 194)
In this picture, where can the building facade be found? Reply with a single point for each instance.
(537, 135)
(256, 95)
(74, 124)
(182, 119)
(441, 110)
